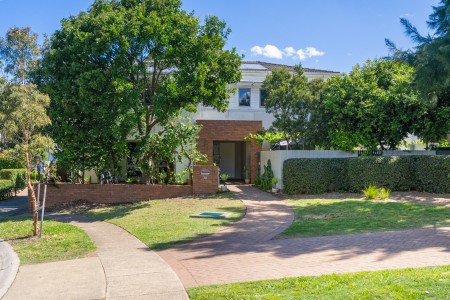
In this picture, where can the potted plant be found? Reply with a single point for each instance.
(274, 185)
(224, 177)
(246, 174)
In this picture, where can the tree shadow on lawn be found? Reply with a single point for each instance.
(346, 245)
(85, 214)
(89, 213)
(238, 214)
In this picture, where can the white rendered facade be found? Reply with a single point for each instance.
(253, 76)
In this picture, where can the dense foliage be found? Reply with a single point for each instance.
(397, 173)
(393, 172)
(373, 106)
(8, 162)
(19, 50)
(314, 176)
(16, 176)
(126, 69)
(294, 103)
(264, 180)
(23, 108)
(432, 76)
(177, 143)
(6, 189)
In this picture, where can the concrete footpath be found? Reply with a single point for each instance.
(123, 268)
(246, 251)
(9, 265)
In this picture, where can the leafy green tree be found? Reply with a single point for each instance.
(373, 106)
(288, 98)
(316, 134)
(432, 77)
(20, 51)
(175, 143)
(297, 106)
(124, 68)
(24, 116)
(23, 108)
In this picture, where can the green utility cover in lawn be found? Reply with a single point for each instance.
(214, 215)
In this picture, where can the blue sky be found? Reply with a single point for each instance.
(325, 34)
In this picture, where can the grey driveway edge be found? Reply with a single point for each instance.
(9, 266)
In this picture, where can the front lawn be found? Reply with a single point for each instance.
(422, 283)
(59, 242)
(161, 224)
(319, 217)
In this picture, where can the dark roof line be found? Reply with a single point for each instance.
(273, 66)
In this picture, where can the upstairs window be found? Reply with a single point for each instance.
(244, 97)
(262, 97)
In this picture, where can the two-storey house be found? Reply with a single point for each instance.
(222, 134)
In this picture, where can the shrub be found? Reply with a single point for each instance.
(314, 176)
(224, 177)
(370, 192)
(7, 162)
(373, 192)
(16, 176)
(384, 193)
(6, 189)
(432, 173)
(393, 172)
(397, 173)
(274, 182)
(264, 181)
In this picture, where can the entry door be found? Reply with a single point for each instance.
(227, 159)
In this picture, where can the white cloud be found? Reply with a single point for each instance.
(309, 52)
(271, 51)
(289, 51)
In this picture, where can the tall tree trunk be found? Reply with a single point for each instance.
(32, 195)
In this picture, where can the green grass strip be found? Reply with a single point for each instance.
(161, 224)
(422, 283)
(320, 217)
(60, 241)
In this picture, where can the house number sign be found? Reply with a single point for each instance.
(205, 173)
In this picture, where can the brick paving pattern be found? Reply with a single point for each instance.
(246, 251)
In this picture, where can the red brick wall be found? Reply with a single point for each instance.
(205, 183)
(111, 193)
(228, 130)
(126, 193)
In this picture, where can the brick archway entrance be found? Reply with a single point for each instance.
(215, 132)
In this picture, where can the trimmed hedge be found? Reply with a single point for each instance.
(392, 172)
(6, 189)
(313, 176)
(16, 176)
(432, 174)
(398, 173)
(7, 162)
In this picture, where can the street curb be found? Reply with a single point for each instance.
(9, 266)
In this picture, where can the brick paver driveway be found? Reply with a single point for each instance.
(245, 251)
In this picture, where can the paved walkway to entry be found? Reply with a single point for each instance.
(124, 268)
(246, 251)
